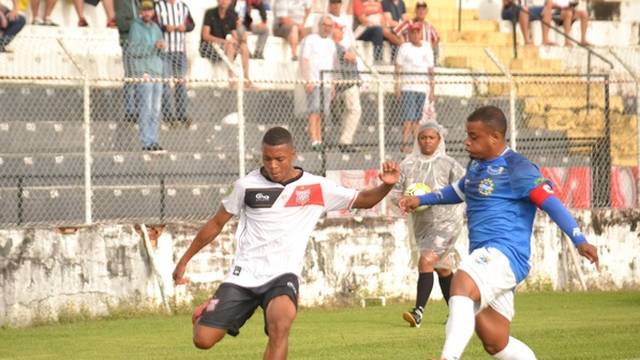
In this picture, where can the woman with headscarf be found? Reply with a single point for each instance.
(435, 229)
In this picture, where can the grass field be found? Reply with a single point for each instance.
(556, 325)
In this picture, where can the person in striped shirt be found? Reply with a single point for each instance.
(429, 33)
(175, 20)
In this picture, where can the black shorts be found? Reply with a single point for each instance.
(232, 305)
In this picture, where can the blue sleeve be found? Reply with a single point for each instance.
(561, 216)
(446, 195)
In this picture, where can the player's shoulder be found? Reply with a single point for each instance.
(518, 164)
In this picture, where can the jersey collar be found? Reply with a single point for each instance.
(263, 172)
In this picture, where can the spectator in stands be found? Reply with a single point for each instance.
(517, 10)
(372, 25)
(175, 20)
(289, 19)
(145, 47)
(108, 9)
(335, 12)
(220, 28)
(429, 33)
(346, 100)
(395, 12)
(413, 57)
(317, 55)
(565, 13)
(48, 9)
(126, 12)
(244, 8)
(10, 24)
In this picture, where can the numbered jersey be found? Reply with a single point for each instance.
(276, 221)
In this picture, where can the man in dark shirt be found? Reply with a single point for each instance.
(220, 27)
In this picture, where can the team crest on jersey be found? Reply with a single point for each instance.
(486, 187)
(306, 195)
(303, 196)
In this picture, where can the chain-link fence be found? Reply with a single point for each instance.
(93, 145)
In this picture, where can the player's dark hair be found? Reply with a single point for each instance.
(491, 116)
(277, 136)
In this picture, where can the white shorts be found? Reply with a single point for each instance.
(490, 270)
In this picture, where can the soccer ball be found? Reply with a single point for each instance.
(418, 189)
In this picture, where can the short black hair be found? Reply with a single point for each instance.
(277, 136)
(491, 116)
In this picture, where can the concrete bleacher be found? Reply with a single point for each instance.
(42, 159)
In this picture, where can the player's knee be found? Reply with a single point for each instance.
(493, 348)
(203, 343)
(279, 329)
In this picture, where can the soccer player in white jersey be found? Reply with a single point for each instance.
(502, 190)
(278, 206)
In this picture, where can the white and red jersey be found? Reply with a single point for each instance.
(276, 221)
(429, 33)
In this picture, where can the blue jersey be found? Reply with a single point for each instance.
(499, 211)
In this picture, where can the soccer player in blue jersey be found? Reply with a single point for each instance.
(502, 190)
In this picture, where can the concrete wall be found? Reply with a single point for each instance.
(45, 272)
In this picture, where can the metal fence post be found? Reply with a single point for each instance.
(513, 129)
(88, 191)
(601, 159)
(241, 138)
(636, 80)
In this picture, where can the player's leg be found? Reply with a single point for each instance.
(279, 302)
(280, 314)
(226, 312)
(493, 329)
(461, 323)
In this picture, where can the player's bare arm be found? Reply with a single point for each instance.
(206, 235)
(389, 176)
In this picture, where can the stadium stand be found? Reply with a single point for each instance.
(42, 153)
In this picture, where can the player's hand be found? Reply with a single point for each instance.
(181, 28)
(160, 44)
(169, 28)
(408, 203)
(178, 274)
(590, 252)
(390, 173)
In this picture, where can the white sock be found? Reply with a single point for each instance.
(460, 326)
(515, 350)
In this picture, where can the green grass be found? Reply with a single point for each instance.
(556, 325)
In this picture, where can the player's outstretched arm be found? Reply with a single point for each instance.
(544, 198)
(207, 234)
(390, 175)
(446, 195)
